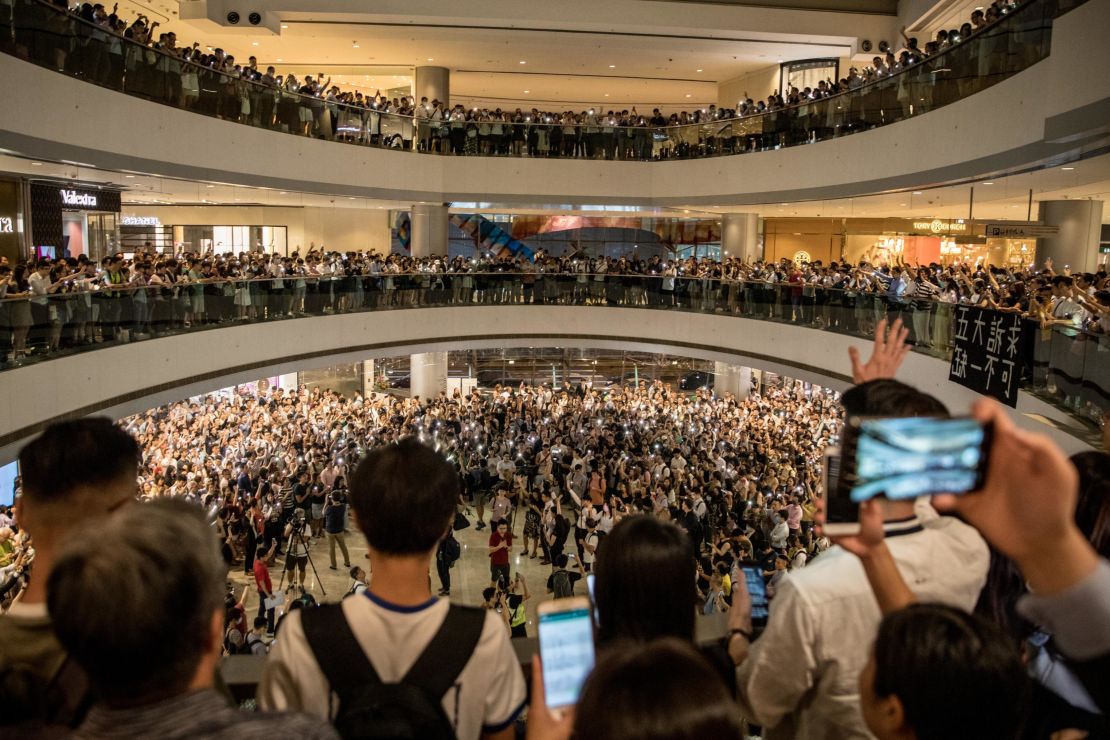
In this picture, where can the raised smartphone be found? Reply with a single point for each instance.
(901, 459)
(566, 630)
(752, 574)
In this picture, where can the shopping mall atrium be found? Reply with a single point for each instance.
(626, 369)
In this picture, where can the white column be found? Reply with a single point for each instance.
(428, 374)
(740, 236)
(732, 379)
(433, 83)
(1076, 244)
(366, 371)
(429, 231)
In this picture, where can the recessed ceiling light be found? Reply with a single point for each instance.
(1067, 168)
(780, 61)
(280, 59)
(350, 197)
(699, 70)
(36, 164)
(284, 26)
(606, 94)
(527, 91)
(209, 186)
(523, 62)
(354, 44)
(254, 43)
(430, 59)
(612, 66)
(129, 176)
(988, 183)
(917, 192)
(688, 95)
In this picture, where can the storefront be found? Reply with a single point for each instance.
(11, 221)
(884, 241)
(148, 233)
(70, 220)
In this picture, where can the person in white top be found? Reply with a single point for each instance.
(404, 497)
(800, 679)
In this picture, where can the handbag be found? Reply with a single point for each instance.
(461, 522)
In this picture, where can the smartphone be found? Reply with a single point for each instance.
(757, 589)
(566, 630)
(903, 458)
(841, 513)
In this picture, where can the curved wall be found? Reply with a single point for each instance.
(1044, 112)
(128, 378)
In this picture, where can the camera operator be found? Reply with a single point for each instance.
(296, 556)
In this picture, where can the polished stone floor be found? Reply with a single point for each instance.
(469, 576)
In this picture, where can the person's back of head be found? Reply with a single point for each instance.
(664, 690)
(1092, 511)
(890, 398)
(644, 587)
(138, 601)
(73, 471)
(404, 496)
(942, 674)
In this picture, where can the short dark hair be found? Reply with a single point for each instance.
(664, 689)
(1092, 511)
(890, 398)
(644, 587)
(404, 496)
(956, 675)
(132, 613)
(87, 452)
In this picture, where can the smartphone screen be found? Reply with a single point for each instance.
(567, 652)
(903, 458)
(757, 589)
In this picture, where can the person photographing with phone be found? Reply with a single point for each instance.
(799, 679)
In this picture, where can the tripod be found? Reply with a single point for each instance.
(297, 536)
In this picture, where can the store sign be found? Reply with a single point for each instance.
(986, 352)
(140, 221)
(937, 226)
(6, 225)
(1019, 230)
(78, 198)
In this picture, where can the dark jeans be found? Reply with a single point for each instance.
(444, 572)
(499, 573)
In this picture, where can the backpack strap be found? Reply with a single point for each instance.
(447, 654)
(336, 650)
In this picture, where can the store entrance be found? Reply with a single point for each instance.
(91, 233)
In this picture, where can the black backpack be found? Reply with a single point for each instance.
(561, 585)
(410, 709)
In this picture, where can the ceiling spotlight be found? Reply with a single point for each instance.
(280, 59)
(354, 44)
(689, 95)
(917, 192)
(429, 59)
(699, 70)
(523, 62)
(1067, 169)
(527, 91)
(129, 176)
(988, 183)
(254, 43)
(612, 66)
(36, 164)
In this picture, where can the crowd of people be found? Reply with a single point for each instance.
(209, 80)
(52, 304)
(994, 624)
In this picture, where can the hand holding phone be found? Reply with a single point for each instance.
(566, 650)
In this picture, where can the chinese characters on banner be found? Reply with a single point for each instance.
(987, 354)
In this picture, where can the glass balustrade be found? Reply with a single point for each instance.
(1066, 366)
(45, 35)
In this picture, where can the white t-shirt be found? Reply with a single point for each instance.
(487, 696)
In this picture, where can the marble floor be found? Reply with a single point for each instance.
(469, 576)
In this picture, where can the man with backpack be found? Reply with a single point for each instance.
(447, 554)
(561, 581)
(397, 658)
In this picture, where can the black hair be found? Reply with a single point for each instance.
(662, 690)
(956, 675)
(644, 587)
(404, 497)
(90, 452)
(890, 398)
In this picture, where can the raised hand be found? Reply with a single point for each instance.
(887, 354)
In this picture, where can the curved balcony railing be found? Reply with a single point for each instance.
(1067, 366)
(44, 35)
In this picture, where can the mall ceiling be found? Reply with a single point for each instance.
(575, 54)
(1003, 198)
